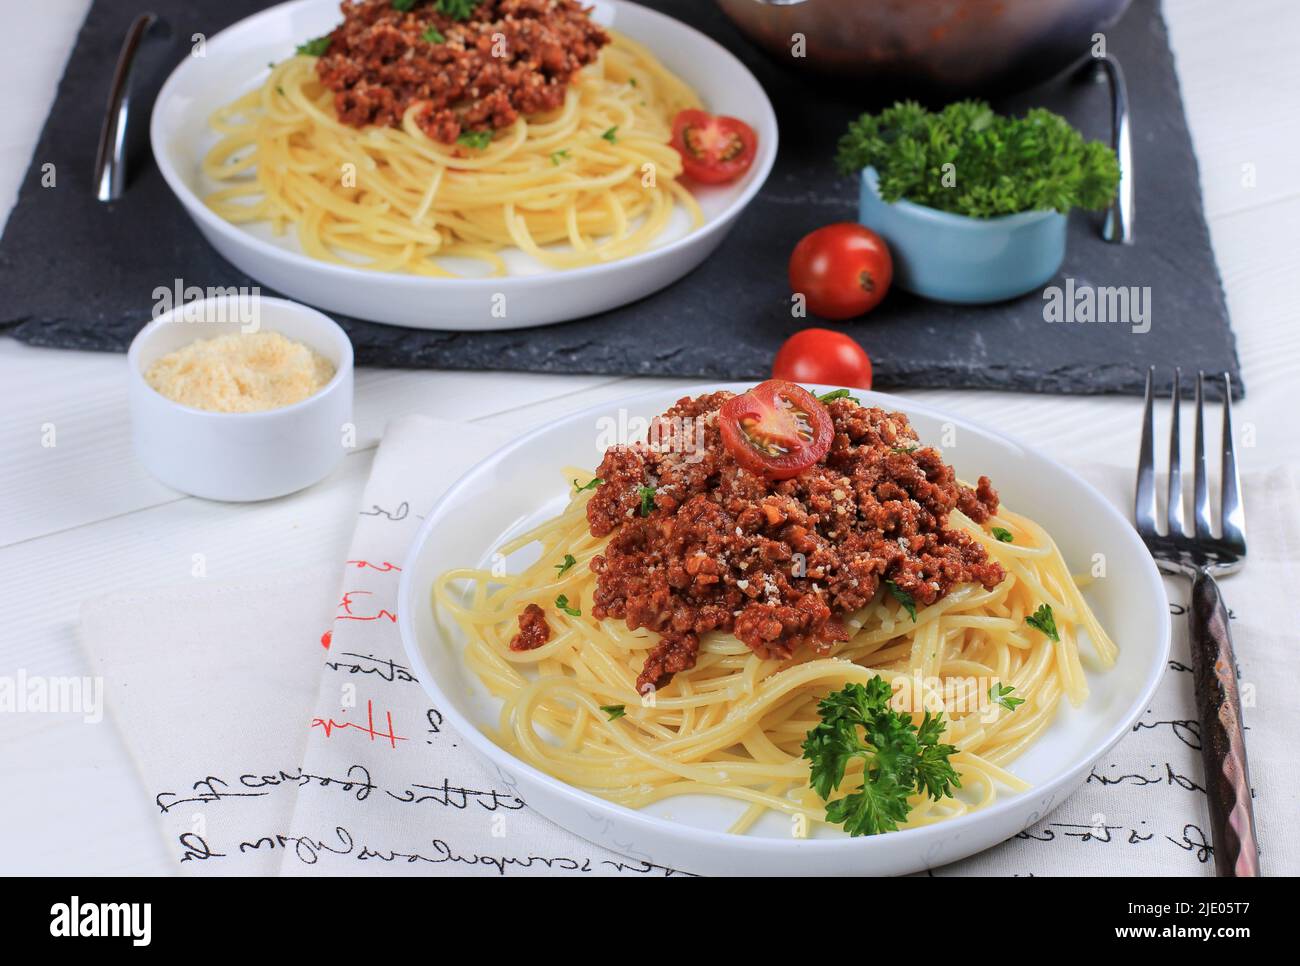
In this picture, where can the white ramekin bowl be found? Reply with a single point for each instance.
(241, 456)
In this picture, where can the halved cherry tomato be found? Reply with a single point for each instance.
(713, 149)
(842, 270)
(777, 429)
(823, 357)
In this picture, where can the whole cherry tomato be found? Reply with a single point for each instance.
(823, 357)
(843, 270)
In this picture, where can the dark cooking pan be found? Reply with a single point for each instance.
(938, 47)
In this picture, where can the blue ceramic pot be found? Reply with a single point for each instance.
(957, 258)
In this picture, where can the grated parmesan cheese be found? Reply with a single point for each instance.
(240, 373)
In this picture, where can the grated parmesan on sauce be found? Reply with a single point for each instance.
(240, 373)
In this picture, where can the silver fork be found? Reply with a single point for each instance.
(1202, 556)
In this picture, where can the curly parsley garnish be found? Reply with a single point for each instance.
(838, 394)
(562, 602)
(315, 47)
(569, 561)
(432, 35)
(594, 482)
(1043, 620)
(615, 711)
(903, 597)
(1001, 164)
(998, 695)
(478, 140)
(899, 758)
(1003, 534)
(647, 495)
(611, 135)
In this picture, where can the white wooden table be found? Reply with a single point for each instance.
(82, 518)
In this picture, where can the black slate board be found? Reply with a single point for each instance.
(78, 274)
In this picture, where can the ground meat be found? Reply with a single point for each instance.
(509, 57)
(533, 630)
(776, 563)
(675, 652)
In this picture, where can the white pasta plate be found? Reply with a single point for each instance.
(522, 485)
(236, 61)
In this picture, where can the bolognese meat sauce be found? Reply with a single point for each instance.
(472, 66)
(777, 563)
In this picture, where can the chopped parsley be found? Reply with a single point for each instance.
(1043, 620)
(455, 9)
(403, 5)
(647, 495)
(315, 47)
(562, 602)
(432, 35)
(569, 561)
(899, 758)
(838, 394)
(904, 598)
(998, 695)
(904, 449)
(611, 135)
(1003, 534)
(615, 711)
(478, 140)
(559, 156)
(632, 81)
(595, 482)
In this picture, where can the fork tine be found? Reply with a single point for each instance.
(1144, 502)
(1233, 510)
(1200, 486)
(1174, 502)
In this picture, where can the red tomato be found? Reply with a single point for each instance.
(842, 270)
(713, 149)
(777, 429)
(823, 357)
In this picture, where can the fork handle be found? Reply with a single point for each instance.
(1223, 746)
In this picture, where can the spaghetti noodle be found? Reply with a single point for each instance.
(593, 181)
(733, 724)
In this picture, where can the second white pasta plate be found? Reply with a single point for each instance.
(235, 61)
(523, 484)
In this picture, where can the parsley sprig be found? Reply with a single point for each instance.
(315, 47)
(1044, 620)
(838, 394)
(562, 603)
(900, 759)
(562, 568)
(478, 140)
(591, 484)
(647, 495)
(615, 711)
(1001, 165)
(999, 694)
(1003, 535)
(903, 597)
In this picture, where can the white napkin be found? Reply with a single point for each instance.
(268, 761)
(212, 686)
